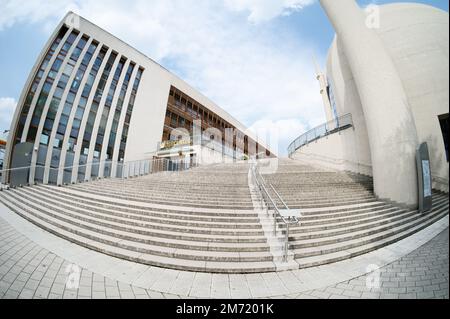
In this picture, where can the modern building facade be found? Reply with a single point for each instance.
(92, 102)
(392, 80)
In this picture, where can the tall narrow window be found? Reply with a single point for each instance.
(107, 107)
(37, 79)
(47, 87)
(118, 112)
(129, 113)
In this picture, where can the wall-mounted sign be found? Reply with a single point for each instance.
(424, 178)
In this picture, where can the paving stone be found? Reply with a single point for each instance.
(370, 295)
(425, 295)
(42, 292)
(26, 294)
(11, 294)
(98, 295)
(352, 293)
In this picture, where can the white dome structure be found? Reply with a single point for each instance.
(413, 41)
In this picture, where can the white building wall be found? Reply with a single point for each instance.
(331, 152)
(149, 109)
(416, 37)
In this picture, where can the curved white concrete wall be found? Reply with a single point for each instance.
(335, 152)
(416, 37)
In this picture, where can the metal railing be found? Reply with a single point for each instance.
(122, 170)
(271, 204)
(337, 125)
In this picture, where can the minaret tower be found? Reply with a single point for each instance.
(320, 76)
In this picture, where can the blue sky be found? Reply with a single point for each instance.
(252, 57)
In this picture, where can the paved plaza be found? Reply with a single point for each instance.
(28, 270)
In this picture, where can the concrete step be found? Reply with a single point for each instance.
(133, 233)
(133, 206)
(371, 238)
(148, 259)
(116, 215)
(102, 217)
(357, 231)
(339, 255)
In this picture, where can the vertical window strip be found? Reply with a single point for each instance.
(47, 87)
(68, 105)
(129, 113)
(107, 107)
(95, 104)
(86, 92)
(118, 112)
(56, 100)
(37, 79)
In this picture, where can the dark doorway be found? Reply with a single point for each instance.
(443, 120)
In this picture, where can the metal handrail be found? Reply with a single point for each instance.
(337, 125)
(132, 168)
(267, 198)
(279, 197)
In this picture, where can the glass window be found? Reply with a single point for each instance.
(57, 64)
(64, 79)
(57, 143)
(75, 85)
(67, 109)
(48, 124)
(58, 93)
(70, 98)
(44, 139)
(83, 102)
(79, 113)
(76, 54)
(72, 37)
(52, 74)
(76, 124)
(64, 119)
(61, 129)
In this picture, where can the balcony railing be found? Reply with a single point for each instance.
(337, 125)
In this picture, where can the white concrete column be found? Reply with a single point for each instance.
(390, 124)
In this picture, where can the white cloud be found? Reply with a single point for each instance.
(280, 133)
(7, 107)
(30, 11)
(257, 74)
(264, 10)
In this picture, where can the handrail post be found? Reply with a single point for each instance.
(286, 243)
(275, 222)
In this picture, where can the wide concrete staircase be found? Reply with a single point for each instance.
(210, 219)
